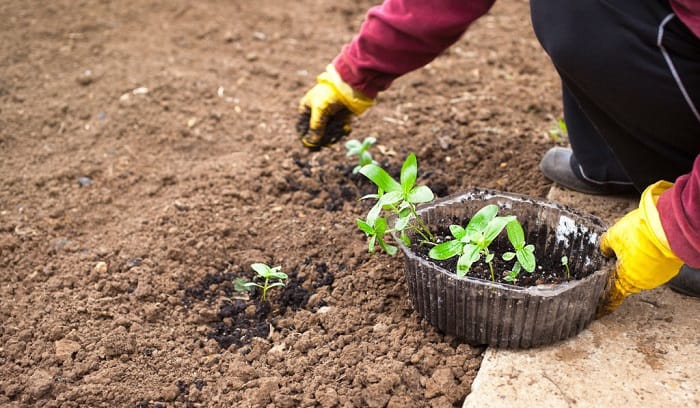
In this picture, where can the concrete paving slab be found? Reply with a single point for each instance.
(645, 354)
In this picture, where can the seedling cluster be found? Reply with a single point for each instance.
(473, 241)
(398, 199)
(470, 243)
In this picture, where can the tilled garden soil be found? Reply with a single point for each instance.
(148, 157)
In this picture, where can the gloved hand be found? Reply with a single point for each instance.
(644, 257)
(327, 109)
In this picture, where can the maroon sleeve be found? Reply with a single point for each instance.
(402, 35)
(679, 210)
(689, 13)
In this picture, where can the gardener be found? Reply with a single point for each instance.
(630, 74)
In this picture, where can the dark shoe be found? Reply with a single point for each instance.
(556, 165)
(686, 282)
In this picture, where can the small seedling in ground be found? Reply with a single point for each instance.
(565, 262)
(558, 130)
(397, 198)
(270, 277)
(361, 150)
(472, 242)
(239, 286)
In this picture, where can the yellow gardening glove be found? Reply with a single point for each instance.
(644, 257)
(327, 109)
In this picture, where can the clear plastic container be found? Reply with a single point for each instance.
(484, 312)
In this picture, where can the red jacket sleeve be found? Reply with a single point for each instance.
(402, 35)
(679, 210)
(689, 13)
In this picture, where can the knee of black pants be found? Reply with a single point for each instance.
(584, 39)
(550, 27)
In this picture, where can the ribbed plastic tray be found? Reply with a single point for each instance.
(484, 312)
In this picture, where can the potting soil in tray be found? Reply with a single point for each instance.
(549, 268)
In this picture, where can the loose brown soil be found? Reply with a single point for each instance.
(148, 155)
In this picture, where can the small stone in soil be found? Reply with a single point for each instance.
(100, 267)
(85, 78)
(84, 182)
(133, 263)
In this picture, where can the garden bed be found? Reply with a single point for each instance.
(148, 155)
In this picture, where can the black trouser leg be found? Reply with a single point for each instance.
(633, 71)
(592, 160)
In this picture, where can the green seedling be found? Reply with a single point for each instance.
(398, 198)
(524, 253)
(558, 130)
(565, 262)
(376, 233)
(271, 277)
(239, 286)
(512, 275)
(472, 242)
(361, 150)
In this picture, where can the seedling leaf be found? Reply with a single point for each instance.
(389, 249)
(365, 158)
(465, 261)
(364, 197)
(276, 274)
(380, 226)
(364, 227)
(421, 194)
(275, 284)
(409, 173)
(494, 227)
(240, 285)
(526, 259)
(470, 254)
(508, 256)
(389, 198)
(354, 147)
(446, 250)
(260, 268)
(373, 213)
(516, 235)
(371, 243)
(457, 231)
(401, 223)
(482, 218)
(380, 177)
